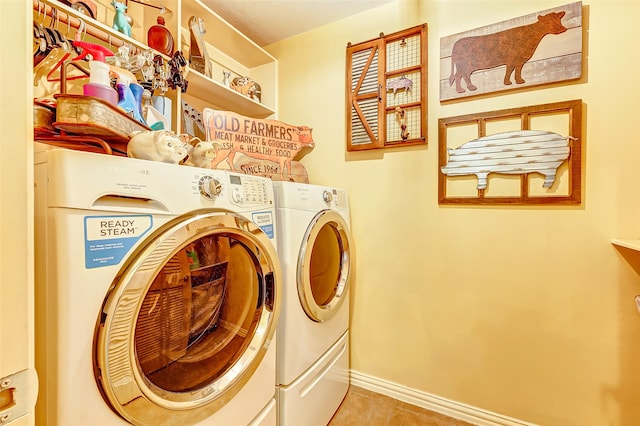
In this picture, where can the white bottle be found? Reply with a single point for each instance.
(154, 118)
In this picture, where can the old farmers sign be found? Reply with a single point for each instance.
(257, 147)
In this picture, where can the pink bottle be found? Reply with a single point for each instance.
(99, 84)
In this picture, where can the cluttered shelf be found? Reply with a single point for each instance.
(245, 74)
(176, 98)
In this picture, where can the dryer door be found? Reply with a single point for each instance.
(188, 319)
(324, 265)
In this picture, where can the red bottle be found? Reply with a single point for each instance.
(159, 38)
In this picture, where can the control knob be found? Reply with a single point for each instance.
(209, 187)
(327, 196)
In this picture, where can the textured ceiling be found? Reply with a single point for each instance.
(268, 21)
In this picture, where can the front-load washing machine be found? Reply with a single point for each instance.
(315, 248)
(157, 293)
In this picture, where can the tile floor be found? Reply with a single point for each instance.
(363, 407)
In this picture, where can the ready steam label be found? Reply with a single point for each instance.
(107, 239)
(265, 221)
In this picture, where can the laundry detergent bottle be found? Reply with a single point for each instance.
(127, 101)
(99, 82)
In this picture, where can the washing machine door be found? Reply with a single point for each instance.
(188, 319)
(324, 265)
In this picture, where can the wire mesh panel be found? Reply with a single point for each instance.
(403, 124)
(404, 53)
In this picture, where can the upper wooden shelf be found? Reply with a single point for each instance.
(228, 50)
(224, 36)
(212, 92)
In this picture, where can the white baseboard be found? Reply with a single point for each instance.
(435, 403)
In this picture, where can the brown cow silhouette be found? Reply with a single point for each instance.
(512, 47)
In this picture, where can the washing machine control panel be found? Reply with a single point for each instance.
(248, 190)
(240, 190)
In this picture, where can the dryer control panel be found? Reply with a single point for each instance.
(335, 197)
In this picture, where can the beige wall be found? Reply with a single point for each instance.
(16, 206)
(526, 312)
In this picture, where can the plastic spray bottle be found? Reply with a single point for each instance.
(154, 118)
(128, 101)
(99, 82)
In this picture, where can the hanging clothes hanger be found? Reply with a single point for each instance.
(44, 39)
(54, 75)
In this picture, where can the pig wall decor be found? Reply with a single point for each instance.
(530, 155)
(512, 153)
(402, 83)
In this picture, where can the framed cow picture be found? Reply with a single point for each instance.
(532, 50)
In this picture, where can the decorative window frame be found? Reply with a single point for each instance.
(377, 115)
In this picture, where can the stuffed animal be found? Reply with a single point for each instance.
(120, 22)
(158, 145)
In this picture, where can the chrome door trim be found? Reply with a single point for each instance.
(117, 372)
(316, 312)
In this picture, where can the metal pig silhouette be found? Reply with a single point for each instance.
(512, 47)
(512, 153)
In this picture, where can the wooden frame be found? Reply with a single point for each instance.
(386, 91)
(519, 189)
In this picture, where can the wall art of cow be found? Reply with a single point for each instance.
(512, 47)
(553, 56)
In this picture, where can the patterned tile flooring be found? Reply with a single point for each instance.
(363, 407)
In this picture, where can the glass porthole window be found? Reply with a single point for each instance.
(324, 266)
(188, 320)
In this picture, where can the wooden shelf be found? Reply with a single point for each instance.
(215, 94)
(224, 36)
(228, 50)
(630, 244)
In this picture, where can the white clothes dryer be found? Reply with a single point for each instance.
(315, 249)
(157, 293)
